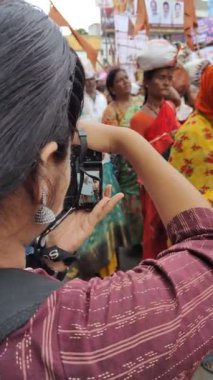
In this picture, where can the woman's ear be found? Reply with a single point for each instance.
(46, 167)
(38, 182)
(48, 151)
(54, 175)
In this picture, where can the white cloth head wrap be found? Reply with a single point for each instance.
(157, 54)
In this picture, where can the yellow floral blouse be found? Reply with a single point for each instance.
(192, 153)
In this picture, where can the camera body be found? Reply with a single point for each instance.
(86, 184)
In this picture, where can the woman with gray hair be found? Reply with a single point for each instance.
(151, 322)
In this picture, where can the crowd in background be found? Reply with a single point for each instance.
(172, 107)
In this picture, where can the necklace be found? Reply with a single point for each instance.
(123, 106)
(153, 109)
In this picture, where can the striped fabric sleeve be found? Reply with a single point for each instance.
(152, 322)
(191, 224)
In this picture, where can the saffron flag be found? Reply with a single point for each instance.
(142, 21)
(56, 16)
(190, 21)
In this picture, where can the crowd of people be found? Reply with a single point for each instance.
(173, 97)
(155, 320)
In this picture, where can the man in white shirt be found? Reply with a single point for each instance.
(94, 102)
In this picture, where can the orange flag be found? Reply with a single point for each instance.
(142, 21)
(56, 16)
(92, 54)
(190, 21)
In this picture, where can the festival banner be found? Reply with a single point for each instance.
(127, 47)
(132, 7)
(165, 14)
(204, 33)
(178, 14)
(107, 21)
(153, 11)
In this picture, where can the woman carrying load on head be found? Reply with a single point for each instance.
(157, 122)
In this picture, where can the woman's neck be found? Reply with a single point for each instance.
(124, 99)
(152, 106)
(154, 101)
(92, 94)
(12, 255)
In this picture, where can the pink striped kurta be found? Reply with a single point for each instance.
(151, 323)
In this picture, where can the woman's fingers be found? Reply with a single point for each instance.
(104, 207)
(78, 226)
(108, 191)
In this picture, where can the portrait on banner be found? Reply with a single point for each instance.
(153, 11)
(178, 13)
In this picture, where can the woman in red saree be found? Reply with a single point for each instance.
(157, 123)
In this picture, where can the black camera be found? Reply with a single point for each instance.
(86, 184)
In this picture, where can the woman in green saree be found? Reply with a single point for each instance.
(119, 113)
(123, 226)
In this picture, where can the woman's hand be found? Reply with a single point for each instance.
(78, 226)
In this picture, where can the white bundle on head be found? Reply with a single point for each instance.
(195, 69)
(157, 54)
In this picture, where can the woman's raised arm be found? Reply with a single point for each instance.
(169, 190)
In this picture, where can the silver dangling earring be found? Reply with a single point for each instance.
(44, 215)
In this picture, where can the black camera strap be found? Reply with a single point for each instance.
(80, 162)
(21, 294)
(83, 140)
